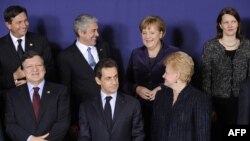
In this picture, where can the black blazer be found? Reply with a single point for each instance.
(78, 76)
(54, 115)
(127, 120)
(140, 72)
(9, 60)
(187, 120)
(244, 103)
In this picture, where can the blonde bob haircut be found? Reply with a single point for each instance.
(182, 63)
(153, 20)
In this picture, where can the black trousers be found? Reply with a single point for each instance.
(226, 110)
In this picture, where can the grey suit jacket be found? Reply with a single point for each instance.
(127, 120)
(54, 117)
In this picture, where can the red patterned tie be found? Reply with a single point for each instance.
(36, 101)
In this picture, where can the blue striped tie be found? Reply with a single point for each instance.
(91, 59)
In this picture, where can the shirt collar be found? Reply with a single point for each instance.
(104, 95)
(31, 86)
(83, 47)
(14, 39)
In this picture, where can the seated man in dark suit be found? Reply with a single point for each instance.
(244, 103)
(12, 47)
(110, 115)
(37, 110)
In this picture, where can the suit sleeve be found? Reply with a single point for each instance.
(12, 127)
(7, 81)
(64, 71)
(48, 60)
(202, 118)
(244, 104)
(137, 124)
(85, 134)
(131, 85)
(60, 127)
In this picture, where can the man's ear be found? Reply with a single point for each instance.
(98, 81)
(7, 24)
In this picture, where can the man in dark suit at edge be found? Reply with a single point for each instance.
(110, 115)
(38, 110)
(13, 45)
(16, 20)
(76, 63)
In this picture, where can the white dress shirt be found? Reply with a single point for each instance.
(83, 49)
(14, 40)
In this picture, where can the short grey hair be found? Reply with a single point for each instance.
(82, 21)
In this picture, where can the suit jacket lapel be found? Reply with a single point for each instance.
(81, 58)
(24, 93)
(45, 99)
(28, 43)
(119, 106)
(97, 104)
(11, 50)
(100, 51)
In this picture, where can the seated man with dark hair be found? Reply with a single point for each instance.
(110, 115)
(38, 109)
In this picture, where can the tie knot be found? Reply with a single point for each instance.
(19, 41)
(36, 89)
(89, 49)
(108, 98)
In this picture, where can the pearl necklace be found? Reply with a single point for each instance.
(229, 45)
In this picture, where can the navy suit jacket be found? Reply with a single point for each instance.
(244, 103)
(10, 61)
(127, 120)
(78, 76)
(187, 120)
(54, 117)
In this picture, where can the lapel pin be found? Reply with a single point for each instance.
(31, 44)
(48, 92)
(100, 49)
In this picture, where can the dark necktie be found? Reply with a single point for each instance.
(19, 48)
(91, 59)
(36, 102)
(108, 112)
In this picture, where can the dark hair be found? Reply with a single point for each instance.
(104, 63)
(231, 11)
(13, 11)
(29, 54)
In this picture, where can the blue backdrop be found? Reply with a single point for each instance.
(189, 22)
